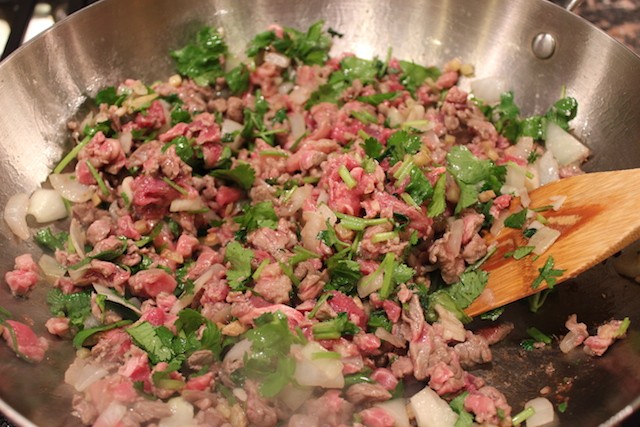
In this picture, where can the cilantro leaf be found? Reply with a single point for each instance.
(344, 275)
(46, 238)
(156, 341)
(547, 274)
(379, 319)
(517, 219)
(201, 60)
(242, 175)
(240, 259)
(75, 306)
(238, 79)
(183, 148)
(419, 187)
(378, 98)
(109, 96)
(563, 111)
(81, 337)
(373, 148)
(413, 75)
(178, 115)
(459, 295)
(256, 216)
(334, 328)
(401, 143)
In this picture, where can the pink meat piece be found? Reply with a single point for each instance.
(596, 345)
(447, 79)
(152, 118)
(211, 153)
(385, 378)
(341, 303)
(341, 198)
(24, 277)
(392, 309)
(154, 315)
(322, 118)
(331, 408)
(495, 333)
(206, 259)
(201, 382)
(419, 221)
(500, 203)
(112, 388)
(58, 326)
(136, 367)
(376, 417)
(227, 195)
(186, 245)
(488, 405)
(103, 153)
(152, 191)
(367, 343)
(24, 341)
(99, 230)
(273, 285)
(576, 336)
(149, 283)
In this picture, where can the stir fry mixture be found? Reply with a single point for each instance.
(290, 241)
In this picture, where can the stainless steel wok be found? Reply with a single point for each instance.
(48, 81)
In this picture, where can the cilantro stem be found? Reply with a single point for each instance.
(409, 200)
(538, 335)
(175, 186)
(346, 176)
(357, 223)
(414, 124)
(383, 237)
(71, 155)
(386, 266)
(98, 178)
(523, 415)
(273, 153)
(256, 274)
(403, 171)
(323, 298)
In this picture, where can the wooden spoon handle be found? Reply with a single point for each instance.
(600, 217)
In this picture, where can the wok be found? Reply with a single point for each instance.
(48, 81)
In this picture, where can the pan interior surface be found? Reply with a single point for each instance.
(49, 80)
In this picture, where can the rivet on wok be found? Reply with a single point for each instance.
(543, 45)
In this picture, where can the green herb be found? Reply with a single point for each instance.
(201, 60)
(155, 232)
(520, 252)
(184, 149)
(175, 186)
(280, 116)
(323, 298)
(378, 98)
(379, 319)
(75, 306)
(414, 75)
(240, 259)
(109, 96)
(104, 127)
(537, 335)
(358, 378)
(269, 360)
(301, 254)
(622, 329)
(330, 238)
(492, 315)
(242, 175)
(419, 187)
(311, 48)
(528, 344)
(465, 419)
(459, 295)
(547, 274)
(81, 337)
(349, 180)
(4, 315)
(114, 253)
(46, 238)
(438, 203)
(522, 416)
(156, 341)
(71, 155)
(254, 217)
(344, 275)
(178, 115)
(562, 407)
(238, 79)
(96, 175)
(373, 148)
(334, 328)
(536, 301)
(400, 144)
(529, 232)
(517, 219)
(364, 117)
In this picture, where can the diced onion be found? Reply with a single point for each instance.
(369, 284)
(318, 372)
(110, 296)
(455, 237)
(297, 125)
(489, 89)
(547, 168)
(181, 414)
(543, 239)
(69, 188)
(126, 141)
(453, 329)
(237, 352)
(139, 102)
(50, 267)
(565, 147)
(432, 411)
(46, 205)
(230, 126)
(186, 205)
(15, 215)
(294, 397)
(521, 149)
(385, 335)
(81, 374)
(570, 341)
(557, 202)
(300, 95)
(111, 416)
(277, 59)
(397, 408)
(543, 412)
(125, 187)
(77, 236)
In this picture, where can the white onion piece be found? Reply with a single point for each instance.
(187, 299)
(369, 284)
(277, 59)
(186, 205)
(181, 414)
(139, 102)
(237, 352)
(397, 408)
(297, 125)
(111, 416)
(318, 372)
(387, 336)
(565, 147)
(230, 126)
(543, 412)
(15, 215)
(543, 239)
(453, 329)
(126, 140)
(46, 205)
(455, 237)
(69, 188)
(395, 117)
(297, 199)
(294, 397)
(557, 202)
(533, 178)
(285, 88)
(50, 267)
(432, 411)
(300, 95)
(547, 168)
(521, 149)
(77, 236)
(81, 374)
(125, 187)
(111, 296)
(498, 223)
(489, 89)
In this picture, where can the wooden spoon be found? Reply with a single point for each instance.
(600, 217)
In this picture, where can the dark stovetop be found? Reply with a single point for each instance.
(619, 18)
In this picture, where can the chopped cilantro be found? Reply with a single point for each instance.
(240, 259)
(280, 116)
(256, 216)
(419, 187)
(109, 96)
(459, 295)
(334, 328)
(378, 98)
(238, 79)
(401, 143)
(75, 306)
(379, 319)
(413, 75)
(537, 335)
(373, 148)
(492, 315)
(520, 252)
(547, 274)
(243, 175)
(344, 275)
(81, 337)
(517, 219)
(178, 115)
(201, 60)
(562, 407)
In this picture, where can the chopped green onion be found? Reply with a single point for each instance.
(383, 237)
(175, 186)
(357, 223)
(273, 153)
(537, 335)
(98, 178)
(541, 219)
(387, 265)
(542, 208)
(409, 200)
(154, 233)
(297, 142)
(523, 415)
(71, 155)
(347, 178)
(310, 179)
(403, 171)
